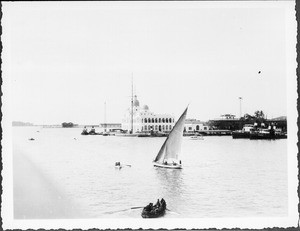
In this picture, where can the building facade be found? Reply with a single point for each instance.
(110, 127)
(145, 120)
(193, 125)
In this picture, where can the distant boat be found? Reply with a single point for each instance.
(244, 133)
(167, 156)
(197, 137)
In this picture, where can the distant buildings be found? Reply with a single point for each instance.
(225, 122)
(19, 123)
(110, 127)
(193, 125)
(144, 120)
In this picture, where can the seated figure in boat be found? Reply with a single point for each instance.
(117, 164)
(157, 203)
(93, 131)
(163, 203)
(84, 132)
(149, 207)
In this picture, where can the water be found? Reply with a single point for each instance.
(221, 176)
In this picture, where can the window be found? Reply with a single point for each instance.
(152, 120)
(190, 128)
(197, 127)
(149, 127)
(159, 120)
(142, 120)
(145, 127)
(155, 120)
(163, 127)
(170, 127)
(155, 127)
(145, 120)
(163, 120)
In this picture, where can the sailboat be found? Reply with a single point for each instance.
(167, 156)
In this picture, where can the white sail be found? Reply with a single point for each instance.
(172, 145)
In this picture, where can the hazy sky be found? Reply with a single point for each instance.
(67, 59)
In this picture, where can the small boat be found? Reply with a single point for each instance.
(197, 137)
(155, 211)
(167, 156)
(31, 139)
(118, 165)
(144, 134)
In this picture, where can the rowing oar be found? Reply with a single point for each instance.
(137, 207)
(166, 209)
(123, 210)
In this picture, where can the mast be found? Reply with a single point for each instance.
(105, 117)
(131, 104)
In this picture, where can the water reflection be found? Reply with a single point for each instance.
(172, 185)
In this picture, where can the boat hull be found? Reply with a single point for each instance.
(196, 138)
(159, 213)
(240, 135)
(168, 166)
(126, 135)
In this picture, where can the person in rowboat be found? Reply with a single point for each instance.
(157, 204)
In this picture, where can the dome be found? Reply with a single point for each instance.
(145, 107)
(136, 103)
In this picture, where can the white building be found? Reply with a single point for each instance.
(145, 121)
(193, 125)
(110, 127)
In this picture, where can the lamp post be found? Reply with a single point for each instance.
(240, 98)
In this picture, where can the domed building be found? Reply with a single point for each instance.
(143, 120)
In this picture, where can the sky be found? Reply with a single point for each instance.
(66, 59)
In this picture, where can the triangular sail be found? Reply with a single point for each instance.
(172, 145)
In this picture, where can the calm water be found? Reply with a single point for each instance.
(221, 177)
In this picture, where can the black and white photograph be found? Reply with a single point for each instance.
(159, 114)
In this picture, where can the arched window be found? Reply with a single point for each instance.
(155, 127)
(163, 127)
(170, 127)
(142, 128)
(197, 127)
(142, 120)
(159, 120)
(149, 127)
(155, 120)
(145, 120)
(163, 120)
(170, 120)
(173, 120)
(152, 120)
(145, 127)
